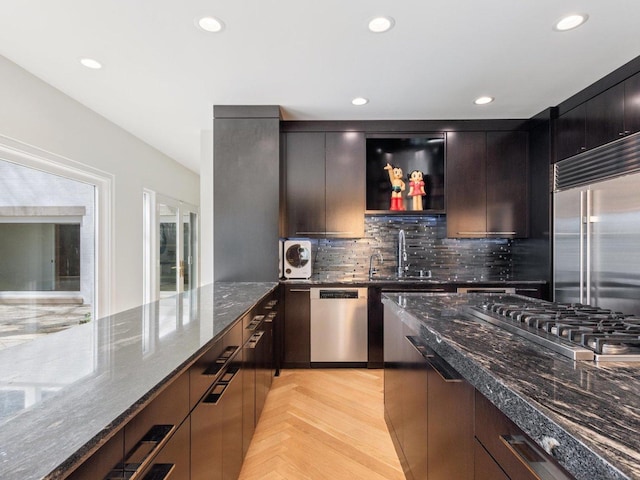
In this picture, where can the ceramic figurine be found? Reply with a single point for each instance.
(416, 188)
(397, 187)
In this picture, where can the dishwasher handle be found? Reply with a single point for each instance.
(338, 293)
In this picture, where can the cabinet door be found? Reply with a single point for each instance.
(101, 463)
(173, 460)
(170, 407)
(392, 375)
(305, 184)
(450, 432)
(484, 465)
(632, 104)
(231, 406)
(570, 133)
(297, 327)
(466, 184)
(507, 188)
(605, 117)
(345, 184)
(415, 390)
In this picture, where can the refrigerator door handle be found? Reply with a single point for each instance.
(588, 244)
(582, 242)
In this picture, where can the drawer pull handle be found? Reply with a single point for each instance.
(221, 361)
(442, 368)
(254, 340)
(300, 290)
(220, 387)
(160, 471)
(255, 322)
(487, 233)
(140, 457)
(531, 459)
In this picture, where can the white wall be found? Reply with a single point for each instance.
(35, 113)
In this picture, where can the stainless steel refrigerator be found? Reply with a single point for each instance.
(597, 244)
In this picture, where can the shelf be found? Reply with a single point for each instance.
(403, 212)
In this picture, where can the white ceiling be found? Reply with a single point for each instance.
(162, 75)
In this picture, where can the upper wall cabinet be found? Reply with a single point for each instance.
(604, 118)
(325, 184)
(487, 188)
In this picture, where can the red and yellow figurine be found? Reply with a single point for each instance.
(416, 189)
(397, 187)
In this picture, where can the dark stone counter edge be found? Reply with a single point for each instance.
(92, 446)
(534, 419)
(408, 282)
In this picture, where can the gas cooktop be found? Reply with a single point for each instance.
(577, 331)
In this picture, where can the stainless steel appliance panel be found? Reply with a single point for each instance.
(596, 244)
(339, 325)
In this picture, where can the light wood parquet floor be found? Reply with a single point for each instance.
(323, 424)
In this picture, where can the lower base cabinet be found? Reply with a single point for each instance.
(485, 466)
(428, 408)
(511, 450)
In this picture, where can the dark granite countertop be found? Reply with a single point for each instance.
(72, 388)
(592, 410)
(395, 282)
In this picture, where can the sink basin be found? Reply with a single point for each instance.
(406, 278)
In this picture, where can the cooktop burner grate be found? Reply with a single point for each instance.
(580, 332)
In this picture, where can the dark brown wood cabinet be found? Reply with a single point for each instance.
(325, 184)
(511, 449)
(466, 180)
(604, 116)
(305, 183)
(297, 327)
(632, 104)
(102, 462)
(487, 184)
(571, 132)
(486, 468)
(428, 407)
(507, 185)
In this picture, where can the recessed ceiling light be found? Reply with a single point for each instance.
(360, 101)
(91, 63)
(570, 21)
(381, 24)
(483, 100)
(210, 24)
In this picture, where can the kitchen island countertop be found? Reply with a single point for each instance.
(591, 409)
(72, 389)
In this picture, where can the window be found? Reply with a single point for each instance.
(50, 249)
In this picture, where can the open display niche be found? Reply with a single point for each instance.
(424, 152)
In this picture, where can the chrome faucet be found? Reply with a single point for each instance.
(372, 270)
(402, 254)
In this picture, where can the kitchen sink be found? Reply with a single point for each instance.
(404, 278)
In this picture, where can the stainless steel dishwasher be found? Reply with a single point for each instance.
(339, 325)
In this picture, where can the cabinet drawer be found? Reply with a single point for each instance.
(103, 461)
(512, 449)
(206, 369)
(173, 460)
(485, 466)
(169, 408)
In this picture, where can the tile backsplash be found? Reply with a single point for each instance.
(427, 249)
